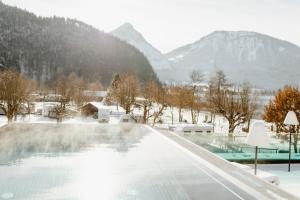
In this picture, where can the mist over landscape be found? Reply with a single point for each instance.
(149, 99)
(60, 59)
(263, 60)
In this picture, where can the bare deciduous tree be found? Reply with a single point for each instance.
(160, 97)
(74, 87)
(147, 103)
(179, 95)
(124, 89)
(171, 101)
(62, 88)
(250, 103)
(32, 86)
(113, 90)
(233, 103)
(95, 86)
(196, 76)
(193, 103)
(14, 90)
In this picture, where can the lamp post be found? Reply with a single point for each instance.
(290, 120)
(257, 137)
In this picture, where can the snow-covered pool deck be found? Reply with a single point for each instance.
(225, 169)
(289, 181)
(97, 161)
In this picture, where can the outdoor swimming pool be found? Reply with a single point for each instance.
(79, 162)
(235, 149)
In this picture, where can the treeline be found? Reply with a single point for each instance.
(236, 103)
(17, 92)
(45, 48)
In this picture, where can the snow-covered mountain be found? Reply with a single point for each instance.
(262, 60)
(158, 61)
(244, 56)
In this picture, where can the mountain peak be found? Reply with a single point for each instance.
(129, 34)
(126, 31)
(126, 25)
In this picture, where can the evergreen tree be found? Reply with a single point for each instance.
(45, 48)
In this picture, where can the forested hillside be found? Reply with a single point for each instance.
(45, 48)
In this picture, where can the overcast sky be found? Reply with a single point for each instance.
(168, 24)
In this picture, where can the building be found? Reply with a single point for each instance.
(94, 109)
(91, 109)
(52, 113)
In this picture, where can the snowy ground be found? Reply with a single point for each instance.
(220, 124)
(3, 120)
(289, 181)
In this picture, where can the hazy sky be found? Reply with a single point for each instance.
(168, 24)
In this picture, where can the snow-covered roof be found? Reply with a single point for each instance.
(100, 105)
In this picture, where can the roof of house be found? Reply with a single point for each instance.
(100, 105)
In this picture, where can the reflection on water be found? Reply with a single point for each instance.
(98, 162)
(219, 143)
(40, 160)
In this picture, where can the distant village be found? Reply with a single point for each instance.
(217, 106)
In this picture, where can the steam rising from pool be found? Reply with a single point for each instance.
(23, 140)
